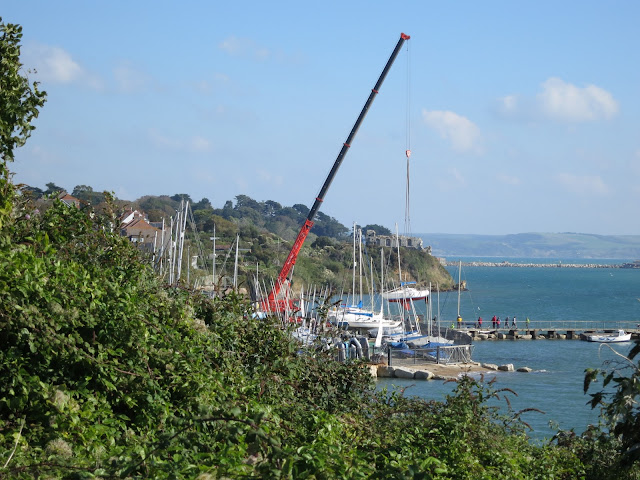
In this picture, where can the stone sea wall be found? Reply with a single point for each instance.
(538, 265)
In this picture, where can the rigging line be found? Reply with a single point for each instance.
(407, 209)
(408, 99)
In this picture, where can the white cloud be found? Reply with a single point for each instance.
(463, 134)
(199, 144)
(207, 86)
(269, 178)
(634, 163)
(457, 176)
(508, 179)
(582, 184)
(129, 79)
(55, 65)
(508, 104)
(194, 144)
(162, 141)
(564, 101)
(248, 48)
(244, 47)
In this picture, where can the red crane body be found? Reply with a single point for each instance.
(272, 303)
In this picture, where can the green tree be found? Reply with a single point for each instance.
(322, 242)
(20, 102)
(52, 188)
(33, 192)
(620, 406)
(86, 193)
(271, 208)
(379, 229)
(181, 196)
(203, 204)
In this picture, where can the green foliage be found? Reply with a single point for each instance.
(19, 106)
(322, 242)
(619, 400)
(87, 195)
(379, 229)
(105, 372)
(19, 101)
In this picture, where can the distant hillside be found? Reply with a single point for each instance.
(535, 245)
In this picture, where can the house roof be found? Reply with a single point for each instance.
(68, 199)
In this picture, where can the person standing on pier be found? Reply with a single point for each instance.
(498, 323)
(506, 322)
(459, 322)
(493, 322)
(479, 322)
(513, 323)
(528, 323)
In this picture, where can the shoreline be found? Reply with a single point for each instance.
(438, 371)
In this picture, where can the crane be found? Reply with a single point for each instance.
(272, 303)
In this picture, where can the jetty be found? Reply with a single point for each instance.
(506, 263)
(551, 329)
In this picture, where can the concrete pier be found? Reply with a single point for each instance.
(541, 333)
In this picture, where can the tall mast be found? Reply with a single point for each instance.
(459, 282)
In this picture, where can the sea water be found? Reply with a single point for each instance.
(555, 386)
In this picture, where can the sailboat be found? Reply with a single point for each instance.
(355, 316)
(412, 333)
(406, 292)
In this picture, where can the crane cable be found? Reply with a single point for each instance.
(407, 214)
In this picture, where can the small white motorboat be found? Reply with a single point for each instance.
(614, 337)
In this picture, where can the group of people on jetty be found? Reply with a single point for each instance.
(495, 323)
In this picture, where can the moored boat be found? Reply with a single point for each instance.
(613, 337)
(354, 316)
(405, 293)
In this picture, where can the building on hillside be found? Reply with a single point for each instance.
(374, 239)
(69, 200)
(136, 227)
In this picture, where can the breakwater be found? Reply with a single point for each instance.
(539, 334)
(536, 265)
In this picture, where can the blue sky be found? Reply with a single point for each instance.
(521, 116)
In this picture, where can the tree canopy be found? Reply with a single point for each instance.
(20, 101)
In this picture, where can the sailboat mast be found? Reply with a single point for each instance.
(398, 247)
(438, 323)
(459, 275)
(381, 281)
(353, 288)
(371, 273)
(235, 266)
(429, 312)
(360, 261)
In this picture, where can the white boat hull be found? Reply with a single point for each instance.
(619, 336)
(405, 294)
(418, 339)
(358, 318)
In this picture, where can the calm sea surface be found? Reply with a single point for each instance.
(542, 294)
